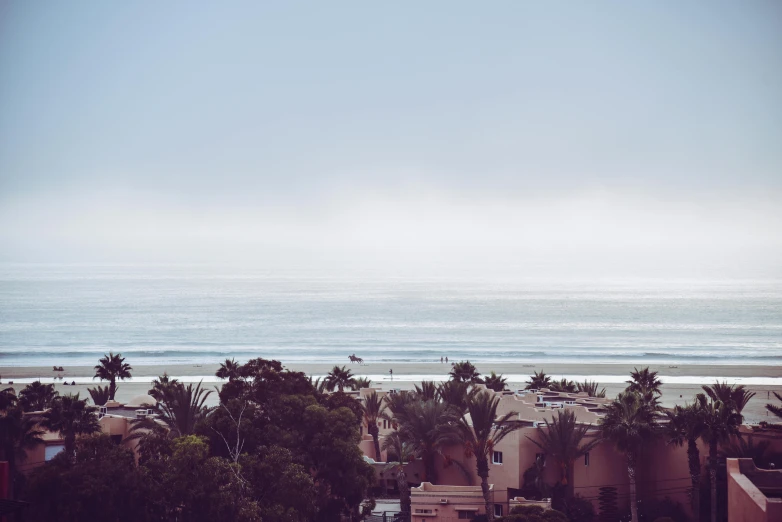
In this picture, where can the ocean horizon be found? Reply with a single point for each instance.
(181, 314)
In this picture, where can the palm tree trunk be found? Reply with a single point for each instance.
(404, 489)
(483, 471)
(375, 432)
(70, 444)
(694, 461)
(633, 497)
(713, 477)
(429, 468)
(112, 388)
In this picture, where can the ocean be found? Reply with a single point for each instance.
(72, 314)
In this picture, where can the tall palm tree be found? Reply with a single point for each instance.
(720, 421)
(71, 416)
(161, 386)
(427, 391)
(538, 380)
(562, 440)
(319, 385)
(110, 368)
(482, 433)
(644, 381)
(373, 410)
(100, 395)
(738, 395)
(684, 426)
(427, 427)
(36, 396)
(590, 388)
(400, 450)
(465, 371)
(180, 409)
(230, 370)
(339, 378)
(495, 382)
(628, 424)
(18, 433)
(741, 448)
(456, 394)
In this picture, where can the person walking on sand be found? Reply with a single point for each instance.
(446, 359)
(441, 360)
(391, 373)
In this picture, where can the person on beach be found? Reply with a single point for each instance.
(391, 373)
(446, 359)
(441, 360)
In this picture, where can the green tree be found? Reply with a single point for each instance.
(427, 427)
(18, 434)
(100, 482)
(465, 371)
(373, 409)
(737, 395)
(361, 382)
(720, 422)
(162, 386)
(230, 370)
(563, 439)
(70, 416)
(684, 426)
(564, 386)
(629, 423)
(482, 433)
(339, 378)
(773, 408)
(456, 394)
(643, 382)
(36, 396)
(110, 368)
(401, 452)
(538, 381)
(496, 382)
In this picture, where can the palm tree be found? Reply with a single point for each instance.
(456, 394)
(230, 370)
(180, 409)
(482, 434)
(495, 382)
(110, 368)
(538, 381)
(401, 451)
(36, 396)
(685, 425)
(720, 421)
(729, 393)
(465, 371)
(428, 426)
(318, 385)
(361, 382)
(776, 410)
(71, 416)
(373, 410)
(564, 386)
(100, 395)
(740, 448)
(590, 388)
(161, 386)
(562, 441)
(339, 378)
(427, 391)
(628, 424)
(18, 433)
(643, 381)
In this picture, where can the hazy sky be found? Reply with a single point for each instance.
(607, 138)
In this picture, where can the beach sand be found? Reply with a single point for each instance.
(683, 381)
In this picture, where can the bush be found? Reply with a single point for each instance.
(579, 509)
(533, 514)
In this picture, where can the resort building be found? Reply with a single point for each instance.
(754, 495)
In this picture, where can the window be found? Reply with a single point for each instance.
(423, 511)
(586, 459)
(497, 510)
(496, 457)
(466, 515)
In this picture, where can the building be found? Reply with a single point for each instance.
(754, 495)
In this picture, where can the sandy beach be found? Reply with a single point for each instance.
(681, 383)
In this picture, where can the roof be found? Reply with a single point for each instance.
(141, 400)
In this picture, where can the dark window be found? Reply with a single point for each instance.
(586, 459)
(497, 510)
(497, 457)
(466, 515)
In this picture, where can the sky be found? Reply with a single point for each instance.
(572, 138)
